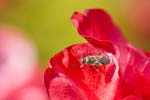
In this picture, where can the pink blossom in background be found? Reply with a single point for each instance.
(18, 60)
(32, 90)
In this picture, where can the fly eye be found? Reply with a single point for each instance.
(104, 60)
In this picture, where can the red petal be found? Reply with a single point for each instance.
(137, 75)
(98, 25)
(95, 85)
(60, 87)
(147, 54)
(132, 97)
(109, 46)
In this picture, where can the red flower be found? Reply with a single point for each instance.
(102, 69)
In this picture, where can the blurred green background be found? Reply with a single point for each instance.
(47, 22)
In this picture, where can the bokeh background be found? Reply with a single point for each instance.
(47, 24)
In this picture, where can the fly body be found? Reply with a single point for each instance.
(96, 60)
